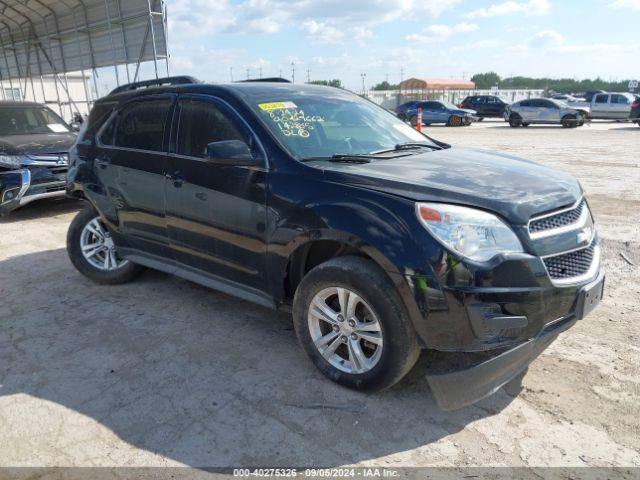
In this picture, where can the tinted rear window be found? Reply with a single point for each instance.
(139, 125)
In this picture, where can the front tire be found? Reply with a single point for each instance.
(91, 250)
(353, 325)
(569, 121)
(454, 121)
(515, 120)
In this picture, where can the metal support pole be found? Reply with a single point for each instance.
(124, 41)
(81, 57)
(166, 35)
(6, 61)
(15, 59)
(153, 38)
(113, 45)
(2, 85)
(44, 95)
(142, 49)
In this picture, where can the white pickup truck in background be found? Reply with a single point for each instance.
(611, 105)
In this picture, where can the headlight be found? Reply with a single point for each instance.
(11, 160)
(473, 233)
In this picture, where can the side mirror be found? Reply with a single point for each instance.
(75, 127)
(231, 152)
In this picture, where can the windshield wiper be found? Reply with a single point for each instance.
(342, 157)
(407, 146)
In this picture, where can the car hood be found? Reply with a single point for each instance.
(41, 143)
(512, 187)
(465, 110)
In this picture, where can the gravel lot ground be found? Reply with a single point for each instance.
(164, 372)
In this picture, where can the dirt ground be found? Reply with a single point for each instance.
(164, 372)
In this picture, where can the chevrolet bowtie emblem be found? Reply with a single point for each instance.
(584, 236)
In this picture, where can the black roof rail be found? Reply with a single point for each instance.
(156, 82)
(268, 79)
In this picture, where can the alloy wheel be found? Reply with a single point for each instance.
(345, 330)
(98, 248)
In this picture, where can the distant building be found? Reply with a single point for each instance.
(412, 84)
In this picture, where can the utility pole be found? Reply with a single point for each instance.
(260, 72)
(400, 85)
(231, 73)
(247, 74)
(363, 76)
(308, 76)
(293, 72)
(280, 73)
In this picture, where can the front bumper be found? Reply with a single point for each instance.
(461, 387)
(19, 187)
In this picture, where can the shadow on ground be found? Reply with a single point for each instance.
(195, 376)
(42, 208)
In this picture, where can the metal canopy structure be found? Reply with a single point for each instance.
(40, 38)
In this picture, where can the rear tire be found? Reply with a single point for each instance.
(413, 120)
(91, 250)
(515, 120)
(526, 124)
(371, 307)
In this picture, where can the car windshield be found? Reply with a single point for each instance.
(449, 106)
(314, 125)
(29, 120)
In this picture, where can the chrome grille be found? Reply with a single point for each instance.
(572, 264)
(559, 220)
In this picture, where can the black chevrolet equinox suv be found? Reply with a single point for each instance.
(380, 240)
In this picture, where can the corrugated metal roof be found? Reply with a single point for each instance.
(56, 36)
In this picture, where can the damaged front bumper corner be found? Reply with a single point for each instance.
(13, 185)
(465, 386)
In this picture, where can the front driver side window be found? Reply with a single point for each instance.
(202, 123)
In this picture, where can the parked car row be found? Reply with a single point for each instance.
(566, 110)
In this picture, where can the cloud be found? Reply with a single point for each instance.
(327, 33)
(632, 4)
(531, 7)
(187, 18)
(322, 32)
(440, 33)
(547, 38)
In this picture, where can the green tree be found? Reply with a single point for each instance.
(385, 86)
(328, 83)
(487, 80)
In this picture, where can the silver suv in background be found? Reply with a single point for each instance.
(608, 105)
(545, 111)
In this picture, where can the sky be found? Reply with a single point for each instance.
(216, 40)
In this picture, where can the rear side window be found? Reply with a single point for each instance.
(99, 114)
(525, 103)
(433, 106)
(202, 123)
(139, 126)
(602, 98)
(620, 99)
